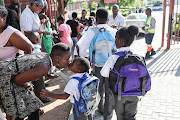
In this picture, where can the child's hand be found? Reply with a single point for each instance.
(44, 93)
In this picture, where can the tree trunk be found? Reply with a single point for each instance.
(1, 2)
(61, 5)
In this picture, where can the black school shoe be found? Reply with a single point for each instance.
(45, 100)
(147, 55)
(153, 52)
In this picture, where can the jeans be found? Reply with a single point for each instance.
(74, 39)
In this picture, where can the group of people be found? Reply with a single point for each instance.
(29, 52)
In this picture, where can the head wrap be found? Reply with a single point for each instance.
(37, 2)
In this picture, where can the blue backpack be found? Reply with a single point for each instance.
(101, 46)
(129, 77)
(89, 96)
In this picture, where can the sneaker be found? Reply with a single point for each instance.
(147, 55)
(153, 52)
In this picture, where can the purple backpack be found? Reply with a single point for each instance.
(129, 77)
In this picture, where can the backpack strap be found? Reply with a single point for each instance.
(120, 87)
(76, 106)
(144, 85)
(120, 81)
(93, 62)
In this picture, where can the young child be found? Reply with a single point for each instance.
(126, 108)
(34, 37)
(54, 31)
(79, 66)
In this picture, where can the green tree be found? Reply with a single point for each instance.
(93, 4)
(84, 6)
(60, 7)
(124, 3)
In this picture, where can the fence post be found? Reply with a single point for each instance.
(170, 23)
(164, 20)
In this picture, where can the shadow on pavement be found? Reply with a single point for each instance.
(165, 63)
(178, 72)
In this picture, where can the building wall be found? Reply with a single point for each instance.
(24, 3)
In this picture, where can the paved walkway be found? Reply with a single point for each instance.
(163, 101)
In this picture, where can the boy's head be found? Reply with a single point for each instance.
(91, 21)
(74, 15)
(60, 55)
(80, 65)
(101, 16)
(93, 14)
(126, 35)
(34, 37)
(84, 13)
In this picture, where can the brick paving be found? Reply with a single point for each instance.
(163, 101)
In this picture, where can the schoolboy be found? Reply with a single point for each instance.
(80, 66)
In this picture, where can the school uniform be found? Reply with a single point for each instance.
(125, 109)
(72, 89)
(84, 44)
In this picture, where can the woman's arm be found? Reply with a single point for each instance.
(60, 33)
(40, 31)
(40, 70)
(21, 42)
(45, 93)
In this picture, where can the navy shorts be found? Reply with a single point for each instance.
(149, 38)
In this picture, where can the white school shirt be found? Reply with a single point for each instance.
(72, 87)
(85, 40)
(111, 61)
(2, 116)
(29, 21)
(119, 20)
